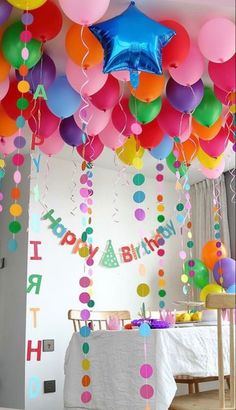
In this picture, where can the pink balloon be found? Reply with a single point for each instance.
(121, 75)
(53, 144)
(191, 70)
(185, 135)
(173, 122)
(213, 173)
(84, 12)
(4, 87)
(217, 145)
(42, 121)
(112, 138)
(97, 119)
(108, 96)
(91, 149)
(223, 75)
(122, 118)
(216, 39)
(86, 82)
(7, 145)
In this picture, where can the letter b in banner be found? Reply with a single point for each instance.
(34, 387)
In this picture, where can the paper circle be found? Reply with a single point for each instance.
(15, 210)
(12, 245)
(84, 282)
(17, 176)
(86, 397)
(85, 314)
(146, 371)
(18, 160)
(84, 297)
(146, 391)
(19, 142)
(139, 214)
(145, 330)
(14, 227)
(85, 379)
(143, 290)
(138, 179)
(85, 364)
(85, 331)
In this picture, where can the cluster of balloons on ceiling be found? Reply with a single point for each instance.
(131, 83)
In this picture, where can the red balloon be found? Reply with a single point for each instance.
(122, 118)
(176, 51)
(230, 128)
(91, 149)
(42, 121)
(108, 96)
(151, 135)
(10, 100)
(223, 75)
(47, 22)
(173, 122)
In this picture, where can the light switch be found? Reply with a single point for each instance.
(48, 345)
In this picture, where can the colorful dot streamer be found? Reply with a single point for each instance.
(2, 174)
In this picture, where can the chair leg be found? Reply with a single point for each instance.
(190, 388)
(228, 382)
(196, 385)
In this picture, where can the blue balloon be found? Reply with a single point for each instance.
(63, 100)
(231, 289)
(162, 150)
(132, 41)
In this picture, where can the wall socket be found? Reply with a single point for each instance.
(48, 345)
(49, 386)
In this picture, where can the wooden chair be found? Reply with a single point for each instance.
(97, 318)
(215, 399)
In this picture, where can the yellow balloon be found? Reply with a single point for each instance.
(207, 161)
(129, 151)
(27, 4)
(211, 288)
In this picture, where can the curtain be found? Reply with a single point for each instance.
(202, 195)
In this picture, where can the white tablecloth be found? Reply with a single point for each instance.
(116, 357)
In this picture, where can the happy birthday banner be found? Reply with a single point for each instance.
(125, 254)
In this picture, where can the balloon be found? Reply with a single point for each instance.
(185, 135)
(44, 72)
(171, 121)
(4, 67)
(86, 82)
(217, 145)
(209, 253)
(129, 151)
(230, 126)
(162, 150)
(191, 70)
(122, 118)
(151, 135)
(216, 39)
(7, 145)
(188, 149)
(111, 138)
(44, 27)
(150, 87)
(224, 272)
(7, 125)
(91, 149)
(144, 112)
(209, 109)
(184, 98)
(70, 132)
(108, 96)
(52, 145)
(201, 274)
(5, 11)
(4, 87)
(42, 121)
(223, 75)
(170, 161)
(206, 133)
(76, 38)
(208, 161)
(208, 289)
(95, 119)
(63, 100)
(84, 12)
(213, 173)
(10, 100)
(231, 289)
(12, 47)
(224, 96)
(175, 53)
(127, 46)
(26, 4)
(121, 75)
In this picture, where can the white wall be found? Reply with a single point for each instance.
(61, 270)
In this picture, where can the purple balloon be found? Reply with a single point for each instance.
(184, 98)
(5, 11)
(225, 268)
(70, 132)
(44, 72)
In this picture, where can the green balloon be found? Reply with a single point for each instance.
(201, 277)
(209, 109)
(144, 112)
(12, 47)
(170, 160)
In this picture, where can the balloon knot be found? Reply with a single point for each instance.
(132, 3)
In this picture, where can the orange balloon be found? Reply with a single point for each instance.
(206, 133)
(150, 87)
(188, 149)
(4, 65)
(209, 253)
(77, 51)
(7, 125)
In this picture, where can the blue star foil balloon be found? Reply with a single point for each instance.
(132, 41)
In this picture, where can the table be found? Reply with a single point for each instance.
(116, 357)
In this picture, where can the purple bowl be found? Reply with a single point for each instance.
(153, 323)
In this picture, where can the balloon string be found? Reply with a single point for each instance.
(74, 183)
(232, 185)
(42, 201)
(85, 103)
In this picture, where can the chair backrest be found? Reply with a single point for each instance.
(219, 302)
(97, 318)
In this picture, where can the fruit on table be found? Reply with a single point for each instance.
(196, 316)
(187, 317)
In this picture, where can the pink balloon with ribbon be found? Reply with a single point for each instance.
(223, 75)
(107, 97)
(191, 70)
(173, 122)
(111, 138)
(92, 148)
(4, 87)
(84, 12)
(217, 145)
(122, 118)
(52, 145)
(95, 119)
